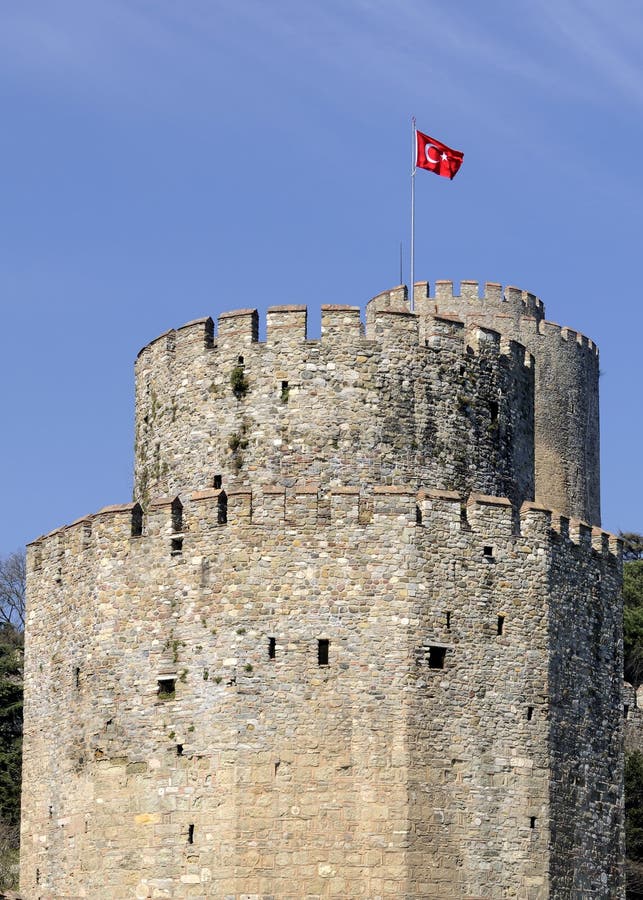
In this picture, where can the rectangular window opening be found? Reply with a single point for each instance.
(217, 482)
(487, 552)
(177, 546)
(272, 648)
(285, 391)
(501, 624)
(77, 677)
(437, 656)
(137, 521)
(532, 821)
(493, 410)
(530, 713)
(323, 645)
(448, 618)
(190, 834)
(166, 688)
(177, 515)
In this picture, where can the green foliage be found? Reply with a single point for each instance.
(11, 645)
(633, 583)
(633, 621)
(634, 805)
(239, 382)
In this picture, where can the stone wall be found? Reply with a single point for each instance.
(453, 412)
(567, 371)
(384, 773)
(334, 649)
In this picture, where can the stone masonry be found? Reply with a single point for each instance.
(357, 636)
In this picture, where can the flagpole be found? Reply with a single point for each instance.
(413, 159)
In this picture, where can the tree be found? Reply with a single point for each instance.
(634, 824)
(12, 590)
(12, 619)
(632, 545)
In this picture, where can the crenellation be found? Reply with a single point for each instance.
(286, 324)
(341, 644)
(238, 328)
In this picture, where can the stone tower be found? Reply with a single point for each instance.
(358, 636)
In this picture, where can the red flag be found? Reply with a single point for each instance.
(437, 157)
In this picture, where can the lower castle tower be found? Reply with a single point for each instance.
(340, 645)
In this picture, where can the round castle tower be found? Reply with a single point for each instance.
(340, 645)
(443, 398)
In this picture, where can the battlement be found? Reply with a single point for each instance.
(307, 507)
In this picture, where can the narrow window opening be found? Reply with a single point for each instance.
(448, 617)
(179, 749)
(323, 645)
(532, 821)
(461, 370)
(190, 834)
(418, 514)
(37, 876)
(285, 391)
(493, 412)
(51, 811)
(487, 552)
(77, 677)
(437, 656)
(59, 577)
(177, 516)
(137, 521)
(239, 360)
(177, 546)
(626, 711)
(530, 713)
(166, 688)
(217, 482)
(501, 624)
(272, 647)
(222, 510)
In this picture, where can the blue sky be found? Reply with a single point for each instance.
(168, 160)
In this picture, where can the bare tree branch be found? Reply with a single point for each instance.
(12, 589)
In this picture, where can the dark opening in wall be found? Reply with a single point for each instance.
(487, 552)
(190, 834)
(137, 521)
(323, 646)
(179, 749)
(493, 412)
(272, 647)
(217, 482)
(77, 677)
(448, 618)
(501, 624)
(532, 821)
(59, 577)
(285, 391)
(177, 516)
(418, 515)
(530, 713)
(240, 360)
(437, 655)
(177, 546)
(626, 711)
(222, 509)
(166, 688)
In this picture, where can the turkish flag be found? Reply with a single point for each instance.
(437, 157)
